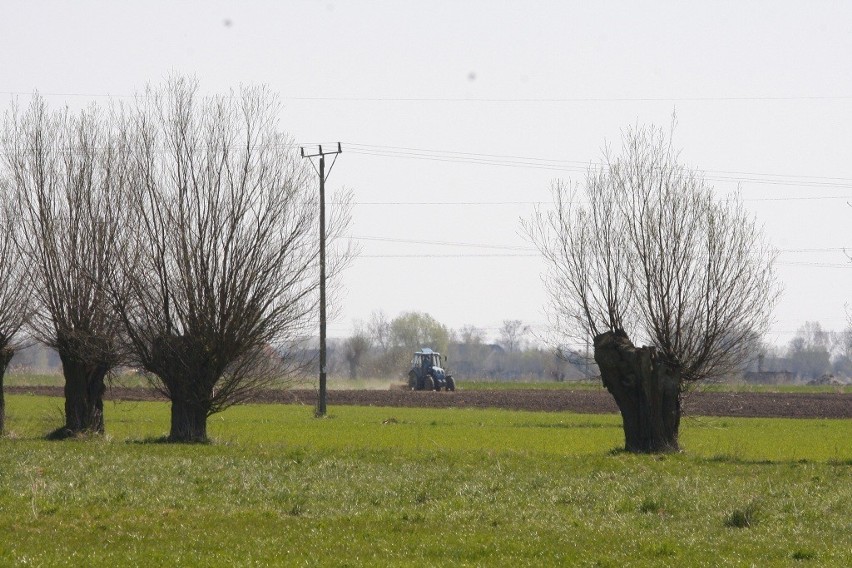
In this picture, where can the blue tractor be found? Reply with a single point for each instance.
(427, 374)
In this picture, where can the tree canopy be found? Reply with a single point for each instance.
(645, 246)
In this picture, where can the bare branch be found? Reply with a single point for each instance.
(221, 269)
(66, 176)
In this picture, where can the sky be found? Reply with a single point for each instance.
(456, 117)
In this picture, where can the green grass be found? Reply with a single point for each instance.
(130, 379)
(15, 379)
(414, 487)
(18, 379)
(122, 379)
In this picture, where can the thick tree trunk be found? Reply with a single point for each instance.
(84, 391)
(183, 366)
(2, 406)
(5, 356)
(189, 422)
(646, 390)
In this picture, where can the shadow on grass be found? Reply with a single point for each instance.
(154, 440)
(737, 460)
(562, 425)
(745, 517)
(63, 433)
(656, 456)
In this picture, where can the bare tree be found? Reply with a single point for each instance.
(381, 362)
(356, 346)
(809, 352)
(66, 175)
(645, 250)
(512, 334)
(379, 329)
(221, 256)
(471, 335)
(15, 292)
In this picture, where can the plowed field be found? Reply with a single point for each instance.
(769, 405)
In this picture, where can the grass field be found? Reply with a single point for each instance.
(137, 380)
(416, 487)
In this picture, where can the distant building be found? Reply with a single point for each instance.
(827, 380)
(768, 377)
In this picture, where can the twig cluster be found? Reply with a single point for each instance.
(645, 247)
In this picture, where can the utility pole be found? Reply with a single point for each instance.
(322, 177)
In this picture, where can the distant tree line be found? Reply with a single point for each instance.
(814, 354)
(383, 348)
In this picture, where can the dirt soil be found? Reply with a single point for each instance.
(770, 405)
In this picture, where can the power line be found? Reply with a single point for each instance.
(557, 165)
(555, 161)
(827, 249)
(846, 265)
(444, 243)
(461, 255)
(460, 160)
(470, 154)
(532, 249)
(802, 198)
(551, 164)
(540, 203)
(508, 255)
(450, 203)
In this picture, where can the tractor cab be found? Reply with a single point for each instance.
(426, 359)
(427, 374)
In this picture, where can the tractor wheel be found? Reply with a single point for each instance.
(428, 383)
(451, 384)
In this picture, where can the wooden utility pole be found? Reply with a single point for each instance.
(321, 410)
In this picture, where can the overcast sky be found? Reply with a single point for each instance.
(455, 117)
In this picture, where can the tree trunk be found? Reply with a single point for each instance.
(5, 356)
(84, 391)
(646, 390)
(189, 422)
(2, 406)
(183, 366)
